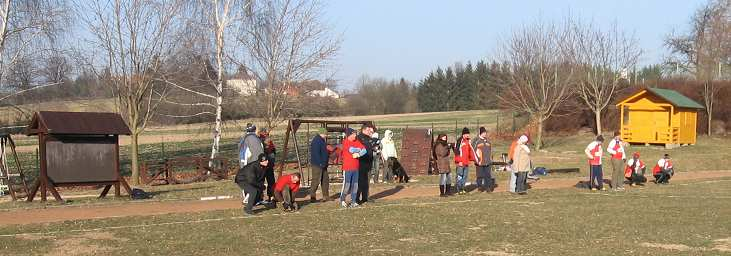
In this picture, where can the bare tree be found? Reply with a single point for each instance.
(603, 57)
(25, 28)
(286, 42)
(706, 50)
(540, 76)
(135, 38)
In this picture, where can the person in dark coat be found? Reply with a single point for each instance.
(319, 160)
(270, 150)
(366, 162)
(441, 155)
(250, 179)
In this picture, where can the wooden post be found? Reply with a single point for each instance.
(43, 174)
(116, 164)
(283, 162)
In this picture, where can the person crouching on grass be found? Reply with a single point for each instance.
(250, 179)
(285, 190)
(352, 150)
(663, 170)
(594, 152)
(635, 171)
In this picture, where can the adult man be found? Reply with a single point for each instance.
(483, 161)
(270, 150)
(250, 146)
(616, 151)
(463, 155)
(250, 179)
(376, 158)
(366, 162)
(319, 161)
(593, 152)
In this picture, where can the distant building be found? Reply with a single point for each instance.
(244, 87)
(327, 92)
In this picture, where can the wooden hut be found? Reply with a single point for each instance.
(658, 116)
(77, 149)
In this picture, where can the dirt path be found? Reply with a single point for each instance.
(31, 216)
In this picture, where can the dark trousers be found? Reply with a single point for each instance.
(663, 177)
(638, 178)
(596, 177)
(269, 177)
(485, 180)
(285, 196)
(521, 182)
(320, 178)
(253, 194)
(363, 171)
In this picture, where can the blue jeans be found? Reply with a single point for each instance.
(462, 173)
(484, 177)
(350, 185)
(596, 177)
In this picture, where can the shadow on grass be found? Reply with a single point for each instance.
(161, 192)
(387, 192)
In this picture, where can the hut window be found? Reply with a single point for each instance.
(626, 115)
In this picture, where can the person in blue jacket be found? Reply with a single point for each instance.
(319, 158)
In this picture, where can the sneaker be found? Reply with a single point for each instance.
(604, 189)
(354, 205)
(343, 204)
(294, 207)
(593, 189)
(313, 200)
(265, 202)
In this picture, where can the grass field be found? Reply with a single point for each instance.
(686, 218)
(681, 219)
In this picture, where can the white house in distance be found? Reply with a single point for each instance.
(244, 87)
(327, 92)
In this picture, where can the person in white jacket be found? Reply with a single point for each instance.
(618, 157)
(388, 150)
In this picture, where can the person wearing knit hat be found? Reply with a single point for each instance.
(635, 170)
(464, 154)
(250, 179)
(319, 160)
(593, 152)
(483, 161)
(352, 150)
(250, 146)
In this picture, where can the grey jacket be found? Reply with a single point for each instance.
(250, 148)
(483, 149)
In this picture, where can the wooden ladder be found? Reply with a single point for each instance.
(15, 181)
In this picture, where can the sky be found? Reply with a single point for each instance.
(409, 38)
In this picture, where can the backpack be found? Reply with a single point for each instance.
(540, 171)
(138, 194)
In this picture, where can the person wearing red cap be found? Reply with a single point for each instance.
(635, 170)
(285, 190)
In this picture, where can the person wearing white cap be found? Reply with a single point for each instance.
(521, 164)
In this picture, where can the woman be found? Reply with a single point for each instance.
(388, 150)
(521, 164)
(441, 154)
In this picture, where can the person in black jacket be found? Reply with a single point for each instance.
(366, 162)
(250, 179)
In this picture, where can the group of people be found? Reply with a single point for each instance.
(256, 168)
(478, 151)
(631, 171)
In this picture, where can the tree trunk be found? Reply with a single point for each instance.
(134, 158)
(709, 112)
(216, 129)
(598, 120)
(539, 133)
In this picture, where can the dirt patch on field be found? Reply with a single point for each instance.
(672, 247)
(723, 245)
(83, 244)
(29, 216)
(490, 253)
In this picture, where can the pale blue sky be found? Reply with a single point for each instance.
(408, 38)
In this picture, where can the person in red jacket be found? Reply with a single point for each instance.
(663, 170)
(635, 170)
(463, 155)
(285, 189)
(594, 154)
(351, 151)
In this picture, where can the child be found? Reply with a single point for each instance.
(635, 171)
(594, 152)
(352, 150)
(441, 154)
(663, 170)
(285, 190)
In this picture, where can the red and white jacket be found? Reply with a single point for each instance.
(466, 153)
(616, 149)
(594, 152)
(637, 168)
(662, 164)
